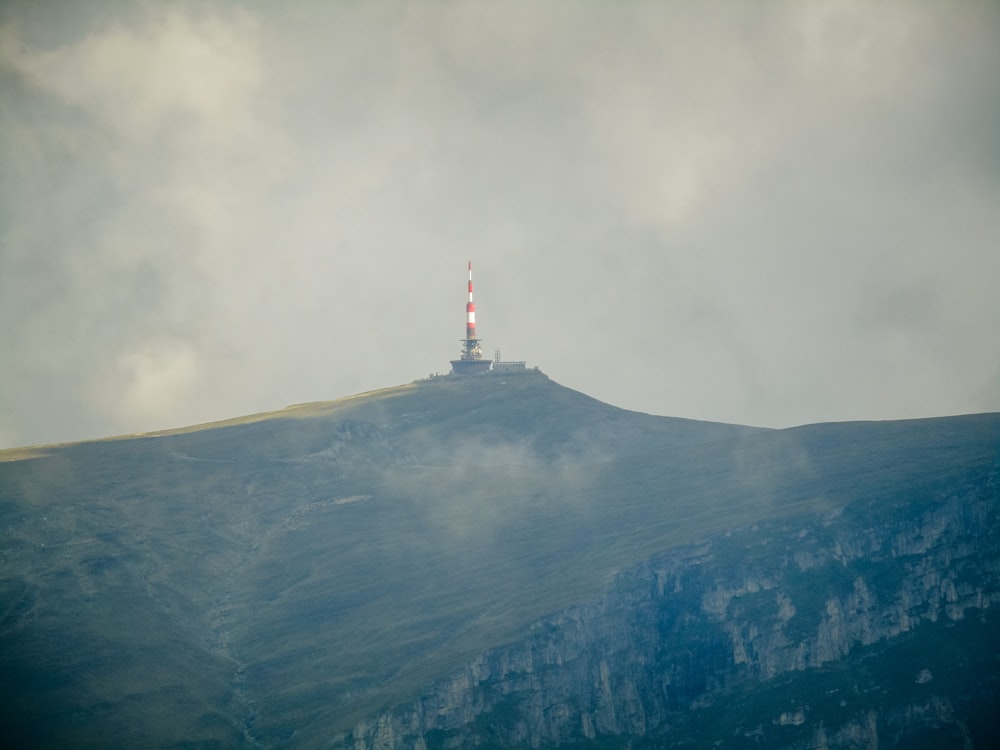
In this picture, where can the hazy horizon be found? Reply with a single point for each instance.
(769, 214)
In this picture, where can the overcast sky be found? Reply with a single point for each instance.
(769, 213)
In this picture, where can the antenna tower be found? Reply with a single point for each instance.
(471, 358)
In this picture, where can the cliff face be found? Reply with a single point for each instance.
(870, 626)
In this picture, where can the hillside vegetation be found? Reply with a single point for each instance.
(276, 579)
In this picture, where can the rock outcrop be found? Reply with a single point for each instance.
(859, 629)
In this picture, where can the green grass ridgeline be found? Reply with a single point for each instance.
(276, 578)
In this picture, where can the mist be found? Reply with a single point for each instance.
(768, 214)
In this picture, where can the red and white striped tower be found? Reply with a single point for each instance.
(471, 360)
(470, 312)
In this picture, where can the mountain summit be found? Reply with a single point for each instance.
(500, 561)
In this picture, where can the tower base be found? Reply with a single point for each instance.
(470, 366)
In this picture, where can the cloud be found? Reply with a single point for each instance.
(159, 375)
(141, 80)
(772, 215)
(135, 148)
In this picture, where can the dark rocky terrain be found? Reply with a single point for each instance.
(503, 562)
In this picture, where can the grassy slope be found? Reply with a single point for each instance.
(330, 559)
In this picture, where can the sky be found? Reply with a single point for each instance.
(767, 213)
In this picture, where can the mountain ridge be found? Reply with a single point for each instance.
(366, 400)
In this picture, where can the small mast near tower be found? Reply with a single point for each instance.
(471, 361)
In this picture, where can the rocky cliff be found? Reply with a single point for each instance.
(871, 626)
